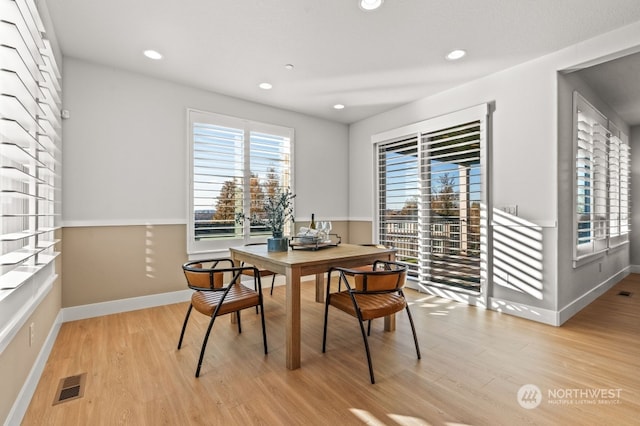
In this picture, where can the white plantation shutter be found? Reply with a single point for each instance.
(270, 169)
(450, 215)
(591, 182)
(399, 195)
(432, 198)
(29, 155)
(614, 185)
(602, 182)
(234, 164)
(625, 186)
(619, 184)
(218, 170)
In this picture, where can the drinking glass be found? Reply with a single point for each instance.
(322, 227)
(327, 229)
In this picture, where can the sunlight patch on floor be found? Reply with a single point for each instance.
(372, 420)
(399, 419)
(437, 306)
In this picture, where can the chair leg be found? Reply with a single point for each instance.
(204, 345)
(184, 325)
(366, 347)
(369, 328)
(327, 300)
(239, 323)
(413, 329)
(273, 281)
(326, 318)
(255, 287)
(264, 328)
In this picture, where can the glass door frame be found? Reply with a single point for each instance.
(481, 113)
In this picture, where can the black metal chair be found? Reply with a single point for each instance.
(219, 291)
(372, 293)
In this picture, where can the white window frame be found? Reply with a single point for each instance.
(619, 187)
(30, 153)
(244, 235)
(601, 174)
(478, 113)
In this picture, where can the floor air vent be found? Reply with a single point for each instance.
(625, 293)
(71, 387)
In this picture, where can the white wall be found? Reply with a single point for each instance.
(517, 160)
(125, 148)
(523, 150)
(634, 141)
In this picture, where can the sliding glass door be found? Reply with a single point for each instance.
(452, 190)
(432, 198)
(399, 196)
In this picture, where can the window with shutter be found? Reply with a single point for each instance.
(602, 183)
(234, 165)
(431, 194)
(452, 187)
(619, 184)
(399, 195)
(29, 162)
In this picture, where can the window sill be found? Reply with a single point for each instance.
(18, 304)
(13, 280)
(589, 258)
(618, 246)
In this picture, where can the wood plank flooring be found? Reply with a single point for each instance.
(473, 364)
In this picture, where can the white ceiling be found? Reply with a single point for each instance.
(368, 61)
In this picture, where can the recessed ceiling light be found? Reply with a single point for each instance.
(338, 106)
(265, 86)
(152, 54)
(456, 54)
(289, 66)
(370, 4)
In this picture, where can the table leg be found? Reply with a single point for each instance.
(292, 303)
(320, 288)
(390, 322)
(233, 318)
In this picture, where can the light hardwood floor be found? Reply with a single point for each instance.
(473, 364)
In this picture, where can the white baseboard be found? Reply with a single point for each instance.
(23, 400)
(124, 305)
(634, 269)
(545, 316)
(577, 305)
(132, 304)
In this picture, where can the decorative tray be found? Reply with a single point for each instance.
(313, 243)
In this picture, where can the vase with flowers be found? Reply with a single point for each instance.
(277, 211)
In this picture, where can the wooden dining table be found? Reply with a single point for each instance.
(294, 264)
